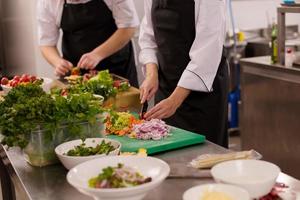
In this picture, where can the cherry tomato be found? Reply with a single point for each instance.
(16, 78)
(14, 83)
(117, 83)
(4, 81)
(33, 78)
(24, 79)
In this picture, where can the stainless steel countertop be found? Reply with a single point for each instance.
(49, 183)
(264, 62)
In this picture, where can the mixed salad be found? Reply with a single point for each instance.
(118, 177)
(83, 150)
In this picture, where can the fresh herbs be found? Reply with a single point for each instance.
(118, 177)
(82, 150)
(27, 107)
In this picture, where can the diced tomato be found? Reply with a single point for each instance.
(4, 81)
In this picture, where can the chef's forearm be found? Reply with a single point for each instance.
(179, 95)
(51, 54)
(116, 42)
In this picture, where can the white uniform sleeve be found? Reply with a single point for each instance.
(147, 40)
(206, 51)
(48, 31)
(124, 13)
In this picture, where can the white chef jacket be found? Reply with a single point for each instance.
(49, 14)
(206, 51)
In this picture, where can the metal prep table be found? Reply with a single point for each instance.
(270, 112)
(49, 183)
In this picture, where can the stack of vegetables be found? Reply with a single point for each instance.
(27, 107)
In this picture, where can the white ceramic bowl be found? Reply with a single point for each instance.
(46, 85)
(71, 161)
(257, 177)
(197, 192)
(157, 169)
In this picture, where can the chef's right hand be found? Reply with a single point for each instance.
(62, 66)
(150, 85)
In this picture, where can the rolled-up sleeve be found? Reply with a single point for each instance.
(147, 40)
(125, 14)
(48, 31)
(206, 51)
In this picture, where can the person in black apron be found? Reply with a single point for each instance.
(205, 113)
(85, 26)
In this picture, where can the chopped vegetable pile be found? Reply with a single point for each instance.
(82, 150)
(154, 129)
(120, 123)
(118, 177)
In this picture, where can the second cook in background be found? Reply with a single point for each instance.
(182, 50)
(96, 35)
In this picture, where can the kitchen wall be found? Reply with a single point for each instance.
(19, 30)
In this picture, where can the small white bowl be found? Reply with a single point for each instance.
(197, 192)
(257, 177)
(46, 85)
(71, 161)
(155, 168)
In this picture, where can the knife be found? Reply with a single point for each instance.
(143, 109)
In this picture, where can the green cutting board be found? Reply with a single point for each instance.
(179, 138)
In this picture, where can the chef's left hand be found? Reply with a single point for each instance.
(89, 60)
(164, 109)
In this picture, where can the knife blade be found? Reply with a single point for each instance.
(143, 109)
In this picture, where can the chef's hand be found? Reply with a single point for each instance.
(89, 60)
(150, 85)
(62, 66)
(167, 107)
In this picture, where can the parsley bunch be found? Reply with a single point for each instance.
(27, 106)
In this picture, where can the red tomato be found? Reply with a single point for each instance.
(117, 83)
(16, 78)
(4, 81)
(33, 78)
(24, 79)
(14, 83)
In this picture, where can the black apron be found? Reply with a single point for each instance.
(85, 27)
(174, 30)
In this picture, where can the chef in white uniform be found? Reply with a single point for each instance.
(96, 35)
(182, 54)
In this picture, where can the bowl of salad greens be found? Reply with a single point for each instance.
(77, 151)
(119, 177)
